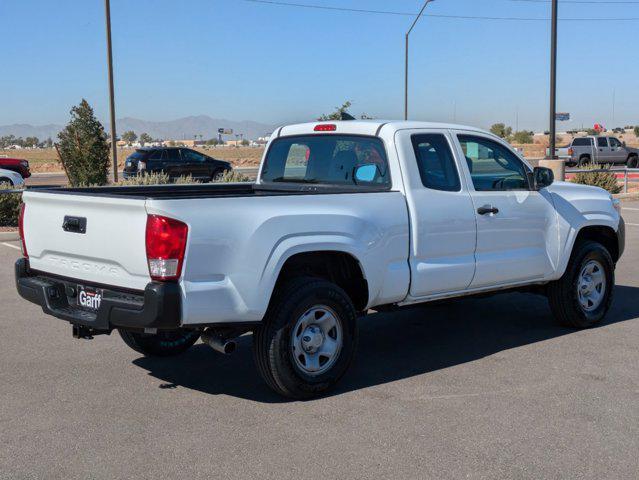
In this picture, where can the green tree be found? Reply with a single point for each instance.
(84, 148)
(144, 138)
(593, 132)
(501, 130)
(129, 136)
(245, 143)
(337, 114)
(636, 130)
(31, 141)
(213, 141)
(523, 136)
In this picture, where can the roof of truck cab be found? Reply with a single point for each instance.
(366, 127)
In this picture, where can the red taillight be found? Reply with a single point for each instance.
(165, 246)
(570, 151)
(326, 127)
(21, 230)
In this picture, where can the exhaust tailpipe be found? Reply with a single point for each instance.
(225, 346)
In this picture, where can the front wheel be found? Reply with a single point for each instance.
(633, 162)
(582, 296)
(164, 343)
(308, 338)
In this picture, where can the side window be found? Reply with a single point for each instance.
(156, 155)
(172, 155)
(602, 142)
(191, 156)
(436, 162)
(615, 143)
(492, 166)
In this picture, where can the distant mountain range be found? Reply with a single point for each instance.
(180, 129)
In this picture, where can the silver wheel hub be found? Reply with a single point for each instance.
(591, 285)
(316, 340)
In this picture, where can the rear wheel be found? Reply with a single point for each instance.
(582, 296)
(583, 161)
(633, 162)
(164, 343)
(308, 338)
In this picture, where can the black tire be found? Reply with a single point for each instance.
(273, 343)
(216, 174)
(165, 343)
(633, 162)
(563, 295)
(583, 161)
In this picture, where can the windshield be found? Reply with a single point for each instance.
(326, 159)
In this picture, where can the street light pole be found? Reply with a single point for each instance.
(406, 59)
(553, 81)
(114, 151)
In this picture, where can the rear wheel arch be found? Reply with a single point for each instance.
(335, 266)
(6, 180)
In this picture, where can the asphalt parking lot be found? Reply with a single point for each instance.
(478, 388)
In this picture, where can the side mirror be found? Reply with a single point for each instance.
(542, 177)
(365, 173)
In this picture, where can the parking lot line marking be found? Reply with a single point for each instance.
(633, 209)
(633, 224)
(11, 246)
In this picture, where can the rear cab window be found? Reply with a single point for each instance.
(339, 160)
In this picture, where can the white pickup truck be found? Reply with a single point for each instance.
(345, 217)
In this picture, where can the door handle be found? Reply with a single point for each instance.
(486, 209)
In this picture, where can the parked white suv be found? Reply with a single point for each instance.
(345, 217)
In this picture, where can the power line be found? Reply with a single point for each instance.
(434, 15)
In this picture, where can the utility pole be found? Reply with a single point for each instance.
(553, 81)
(406, 59)
(114, 146)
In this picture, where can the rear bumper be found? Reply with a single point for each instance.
(159, 306)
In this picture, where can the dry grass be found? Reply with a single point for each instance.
(46, 160)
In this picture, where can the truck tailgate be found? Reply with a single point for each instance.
(110, 251)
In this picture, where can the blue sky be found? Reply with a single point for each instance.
(247, 61)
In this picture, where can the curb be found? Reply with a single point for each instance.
(9, 236)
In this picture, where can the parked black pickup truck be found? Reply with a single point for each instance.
(174, 161)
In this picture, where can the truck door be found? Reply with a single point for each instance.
(442, 219)
(517, 228)
(603, 151)
(618, 153)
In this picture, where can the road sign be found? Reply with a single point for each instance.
(562, 116)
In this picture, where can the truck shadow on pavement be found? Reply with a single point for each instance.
(394, 345)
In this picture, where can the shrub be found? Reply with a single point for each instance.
(83, 147)
(232, 176)
(523, 137)
(606, 180)
(9, 206)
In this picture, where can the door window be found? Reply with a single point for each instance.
(192, 157)
(602, 142)
(173, 155)
(492, 166)
(436, 162)
(614, 143)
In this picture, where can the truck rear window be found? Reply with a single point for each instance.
(327, 159)
(582, 142)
